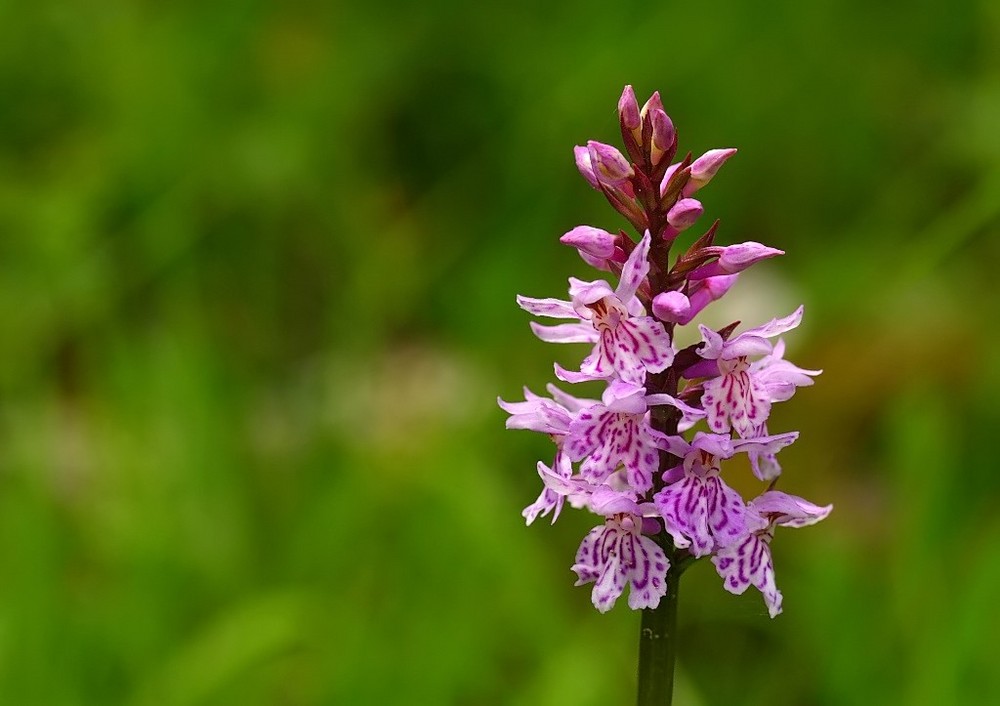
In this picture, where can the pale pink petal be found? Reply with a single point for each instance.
(607, 501)
(775, 327)
(571, 403)
(555, 308)
(573, 377)
(790, 510)
(706, 167)
(712, 343)
(638, 452)
(623, 396)
(674, 445)
(718, 445)
(589, 431)
(609, 585)
(584, 293)
(565, 333)
(682, 507)
(746, 345)
(766, 443)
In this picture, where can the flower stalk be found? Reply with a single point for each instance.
(658, 647)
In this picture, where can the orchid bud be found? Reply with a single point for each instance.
(735, 258)
(609, 166)
(738, 257)
(628, 113)
(672, 307)
(684, 213)
(654, 103)
(583, 163)
(705, 167)
(666, 177)
(592, 241)
(664, 135)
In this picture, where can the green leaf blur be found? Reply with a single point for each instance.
(257, 275)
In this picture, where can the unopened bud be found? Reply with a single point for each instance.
(705, 167)
(738, 257)
(592, 241)
(628, 111)
(583, 163)
(672, 307)
(684, 213)
(654, 103)
(664, 134)
(609, 166)
(735, 258)
(666, 177)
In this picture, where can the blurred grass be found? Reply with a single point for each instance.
(257, 268)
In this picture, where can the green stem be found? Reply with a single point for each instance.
(658, 647)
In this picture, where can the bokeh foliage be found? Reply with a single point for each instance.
(257, 269)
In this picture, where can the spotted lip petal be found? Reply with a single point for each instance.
(699, 510)
(735, 400)
(615, 433)
(748, 563)
(614, 556)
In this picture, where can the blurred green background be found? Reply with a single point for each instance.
(257, 275)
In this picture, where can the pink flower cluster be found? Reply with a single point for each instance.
(625, 457)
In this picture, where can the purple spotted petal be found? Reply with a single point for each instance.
(735, 400)
(635, 270)
(615, 555)
(590, 431)
(748, 563)
(646, 566)
(702, 512)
